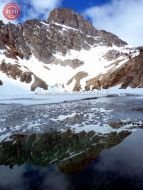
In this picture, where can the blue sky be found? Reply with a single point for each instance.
(81, 5)
(77, 5)
(121, 17)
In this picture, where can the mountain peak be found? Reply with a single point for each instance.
(69, 18)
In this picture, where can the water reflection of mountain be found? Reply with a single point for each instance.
(70, 151)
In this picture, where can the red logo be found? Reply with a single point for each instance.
(11, 11)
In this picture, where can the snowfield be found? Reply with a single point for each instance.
(13, 87)
(57, 76)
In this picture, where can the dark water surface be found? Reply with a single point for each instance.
(117, 168)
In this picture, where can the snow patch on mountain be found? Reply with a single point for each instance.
(57, 76)
(12, 87)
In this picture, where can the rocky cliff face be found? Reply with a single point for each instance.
(69, 48)
(64, 30)
(130, 74)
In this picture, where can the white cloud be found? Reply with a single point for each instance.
(121, 17)
(43, 5)
(40, 7)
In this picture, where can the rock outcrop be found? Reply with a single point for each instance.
(128, 75)
(77, 78)
(15, 72)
